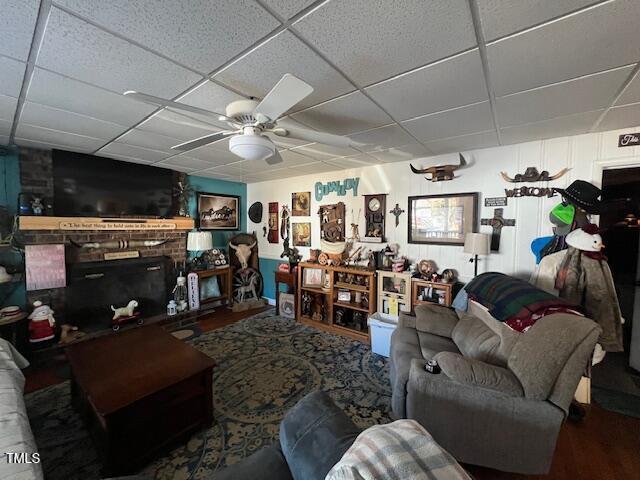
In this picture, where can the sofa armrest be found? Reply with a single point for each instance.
(479, 374)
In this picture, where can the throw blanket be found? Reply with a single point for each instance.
(399, 450)
(515, 302)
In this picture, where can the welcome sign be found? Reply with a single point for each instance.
(337, 187)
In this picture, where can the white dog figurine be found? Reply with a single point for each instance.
(124, 311)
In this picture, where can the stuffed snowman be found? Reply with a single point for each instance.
(587, 239)
(42, 323)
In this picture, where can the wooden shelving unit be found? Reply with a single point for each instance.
(330, 299)
(418, 286)
(394, 286)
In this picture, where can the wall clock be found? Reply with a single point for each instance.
(374, 212)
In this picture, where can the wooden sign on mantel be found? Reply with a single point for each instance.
(121, 255)
(116, 226)
(104, 224)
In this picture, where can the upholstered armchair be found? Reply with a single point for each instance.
(501, 396)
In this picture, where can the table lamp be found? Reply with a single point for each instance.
(198, 242)
(476, 244)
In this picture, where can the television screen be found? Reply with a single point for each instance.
(90, 186)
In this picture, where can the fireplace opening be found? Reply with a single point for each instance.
(94, 287)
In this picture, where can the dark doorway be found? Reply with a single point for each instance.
(616, 380)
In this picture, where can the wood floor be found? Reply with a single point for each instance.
(603, 446)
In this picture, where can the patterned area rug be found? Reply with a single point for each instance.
(266, 363)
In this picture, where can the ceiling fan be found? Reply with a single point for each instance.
(251, 119)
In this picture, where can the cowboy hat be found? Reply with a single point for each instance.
(582, 194)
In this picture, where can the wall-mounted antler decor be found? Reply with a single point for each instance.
(120, 244)
(531, 174)
(440, 173)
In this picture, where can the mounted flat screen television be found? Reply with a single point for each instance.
(90, 186)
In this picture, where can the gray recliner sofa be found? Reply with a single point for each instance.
(501, 396)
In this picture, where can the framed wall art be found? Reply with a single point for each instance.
(301, 204)
(313, 277)
(442, 219)
(302, 234)
(217, 211)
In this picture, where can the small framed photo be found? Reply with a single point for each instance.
(301, 204)
(344, 296)
(217, 211)
(312, 277)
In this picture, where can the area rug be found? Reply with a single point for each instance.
(265, 364)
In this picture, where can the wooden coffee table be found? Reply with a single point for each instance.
(139, 391)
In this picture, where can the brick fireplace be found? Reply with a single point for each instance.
(36, 178)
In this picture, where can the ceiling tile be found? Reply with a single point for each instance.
(4, 139)
(580, 95)
(401, 153)
(557, 127)
(320, 151)
(294, 159)
(285, 54)
(574, 46)
(234, 169)
(502, 17)
(80, 50)
(311, 168)
(8, 107)
(48, 145)
(56, 119)
(153, 141)
(452, 123)
(176, 168)
(131, 151)
(56, 137)
(17, 23)
(348, 114)
(11, 75)
(5, 127)
(621, 117)
(631, 94)
(213, 97)
(288, 8)
(288, 142)
(53, 90)
(382, 138)
(451, 83)
(359, 161)
(184, 161)
(212, 174)
(214, 156)
(372, 41)
(175, 125)
(202, 36)
(465, 142)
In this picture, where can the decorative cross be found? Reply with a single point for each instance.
(497, 222)
(397, 211)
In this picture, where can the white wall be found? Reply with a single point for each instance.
(586, 156)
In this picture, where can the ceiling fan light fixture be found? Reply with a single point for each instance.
(252, 147)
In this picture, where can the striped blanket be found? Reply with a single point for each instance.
(515, 302)
(396, 451)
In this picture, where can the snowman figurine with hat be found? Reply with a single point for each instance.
(42, 323)
(588, 240)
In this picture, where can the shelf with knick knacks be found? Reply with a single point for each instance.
(337, 299)
(394, 294)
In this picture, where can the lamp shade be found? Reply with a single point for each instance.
(477, 243)
(199, 241)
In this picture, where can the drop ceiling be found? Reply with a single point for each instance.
(408, 78)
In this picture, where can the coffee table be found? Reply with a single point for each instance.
(139, 391)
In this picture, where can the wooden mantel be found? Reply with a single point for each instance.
(104, 224)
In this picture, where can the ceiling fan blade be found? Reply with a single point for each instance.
(274, 159)
(285, 94)
(200, 142)
(161, 102)
(314, 136)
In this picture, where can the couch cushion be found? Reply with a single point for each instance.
(476, 373)
(314, 435)
(435, 319)
(430, 345)
(475, 340)
(405, 346)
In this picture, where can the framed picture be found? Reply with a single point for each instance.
(442, 219)
(344, 296)
(312, 277)
(218, 212)
(301, 204)
(302, 234)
